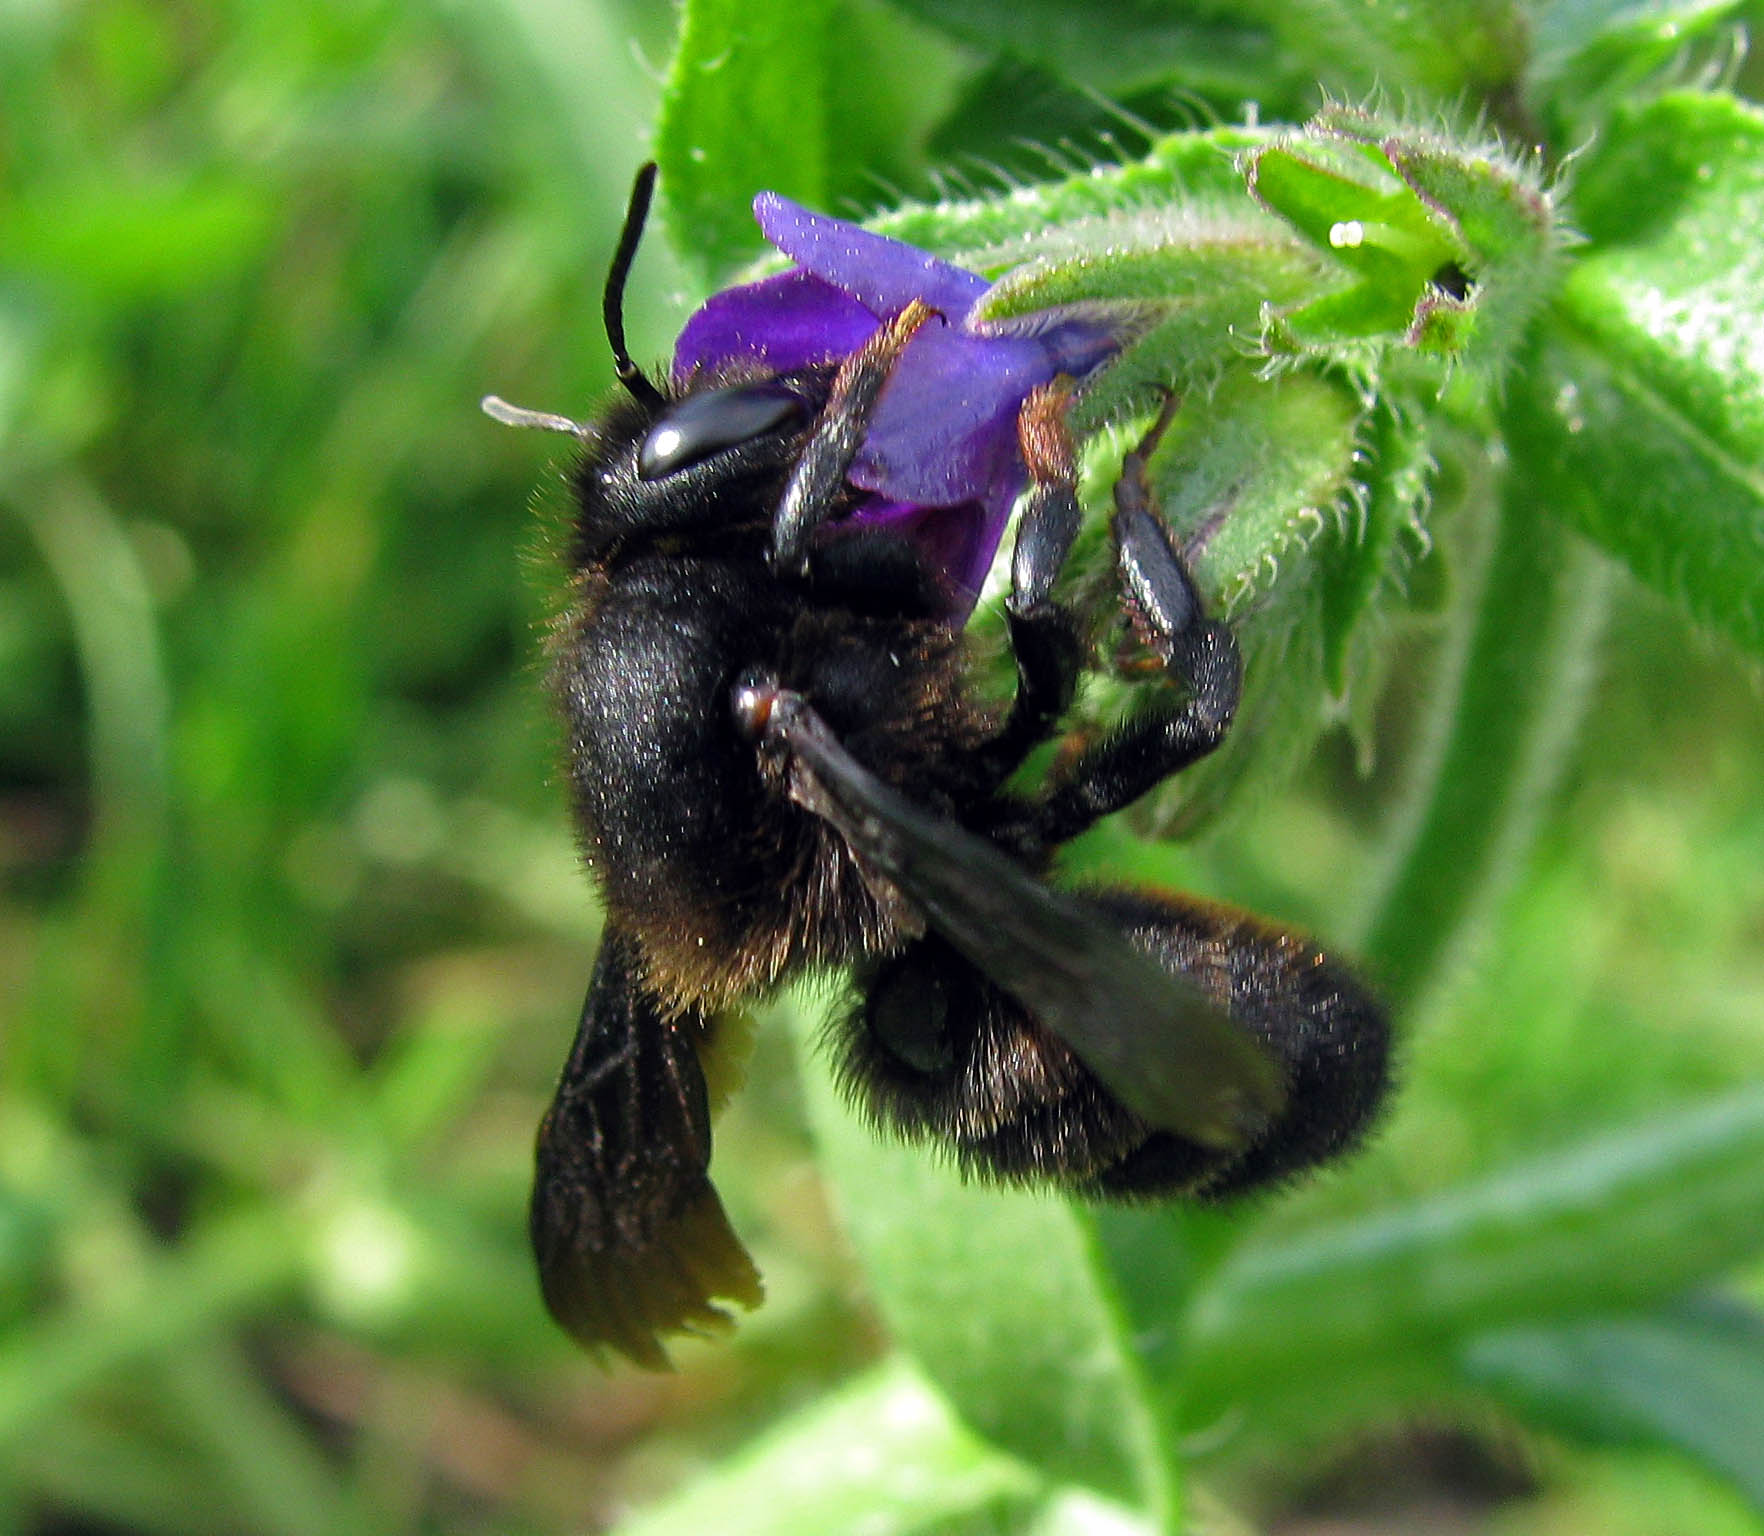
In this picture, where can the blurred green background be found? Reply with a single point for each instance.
(292, 936)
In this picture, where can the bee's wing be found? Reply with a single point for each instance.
(631, 1237)
(1158, 1043)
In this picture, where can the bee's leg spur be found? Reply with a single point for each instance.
(1044, 635)
(819, 476)
(1198, 653)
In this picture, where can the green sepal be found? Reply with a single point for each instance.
(1199, 279)
(1256, 480)
(993, 234)
(1449, 245)
(1369, 578)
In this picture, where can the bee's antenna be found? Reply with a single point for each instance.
(636, 214)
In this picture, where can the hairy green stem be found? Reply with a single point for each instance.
(1512, 686)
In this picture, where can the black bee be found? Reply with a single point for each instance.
(781, 763)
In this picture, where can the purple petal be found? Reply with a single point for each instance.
(881, 274)
(940, 458)
(1074, 340)
(782, 322)
(946, 424)
(947, 417)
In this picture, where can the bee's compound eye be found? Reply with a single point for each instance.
(703, 424)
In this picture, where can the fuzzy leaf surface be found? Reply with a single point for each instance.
(1690, 1380)
(884, 1455)
(1631, 1217)
(1002, 1300)
(1639, 417)
(744, 110)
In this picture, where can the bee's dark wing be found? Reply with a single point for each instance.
(1157, 1042)
(631, 1237)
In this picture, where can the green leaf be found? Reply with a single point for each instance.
(744, 110)
(27, 1226)
(764, 98)
(884, 1456)
(1639, 416)
(1116, 46)
(1029, 122)
(1002, 1300)
(1629, 1218)
(126, 1476)
(214, 1393)
(1690, 1380)
(1442, 50)
(1587, 55)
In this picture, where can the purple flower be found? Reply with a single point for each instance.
(941, 459)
